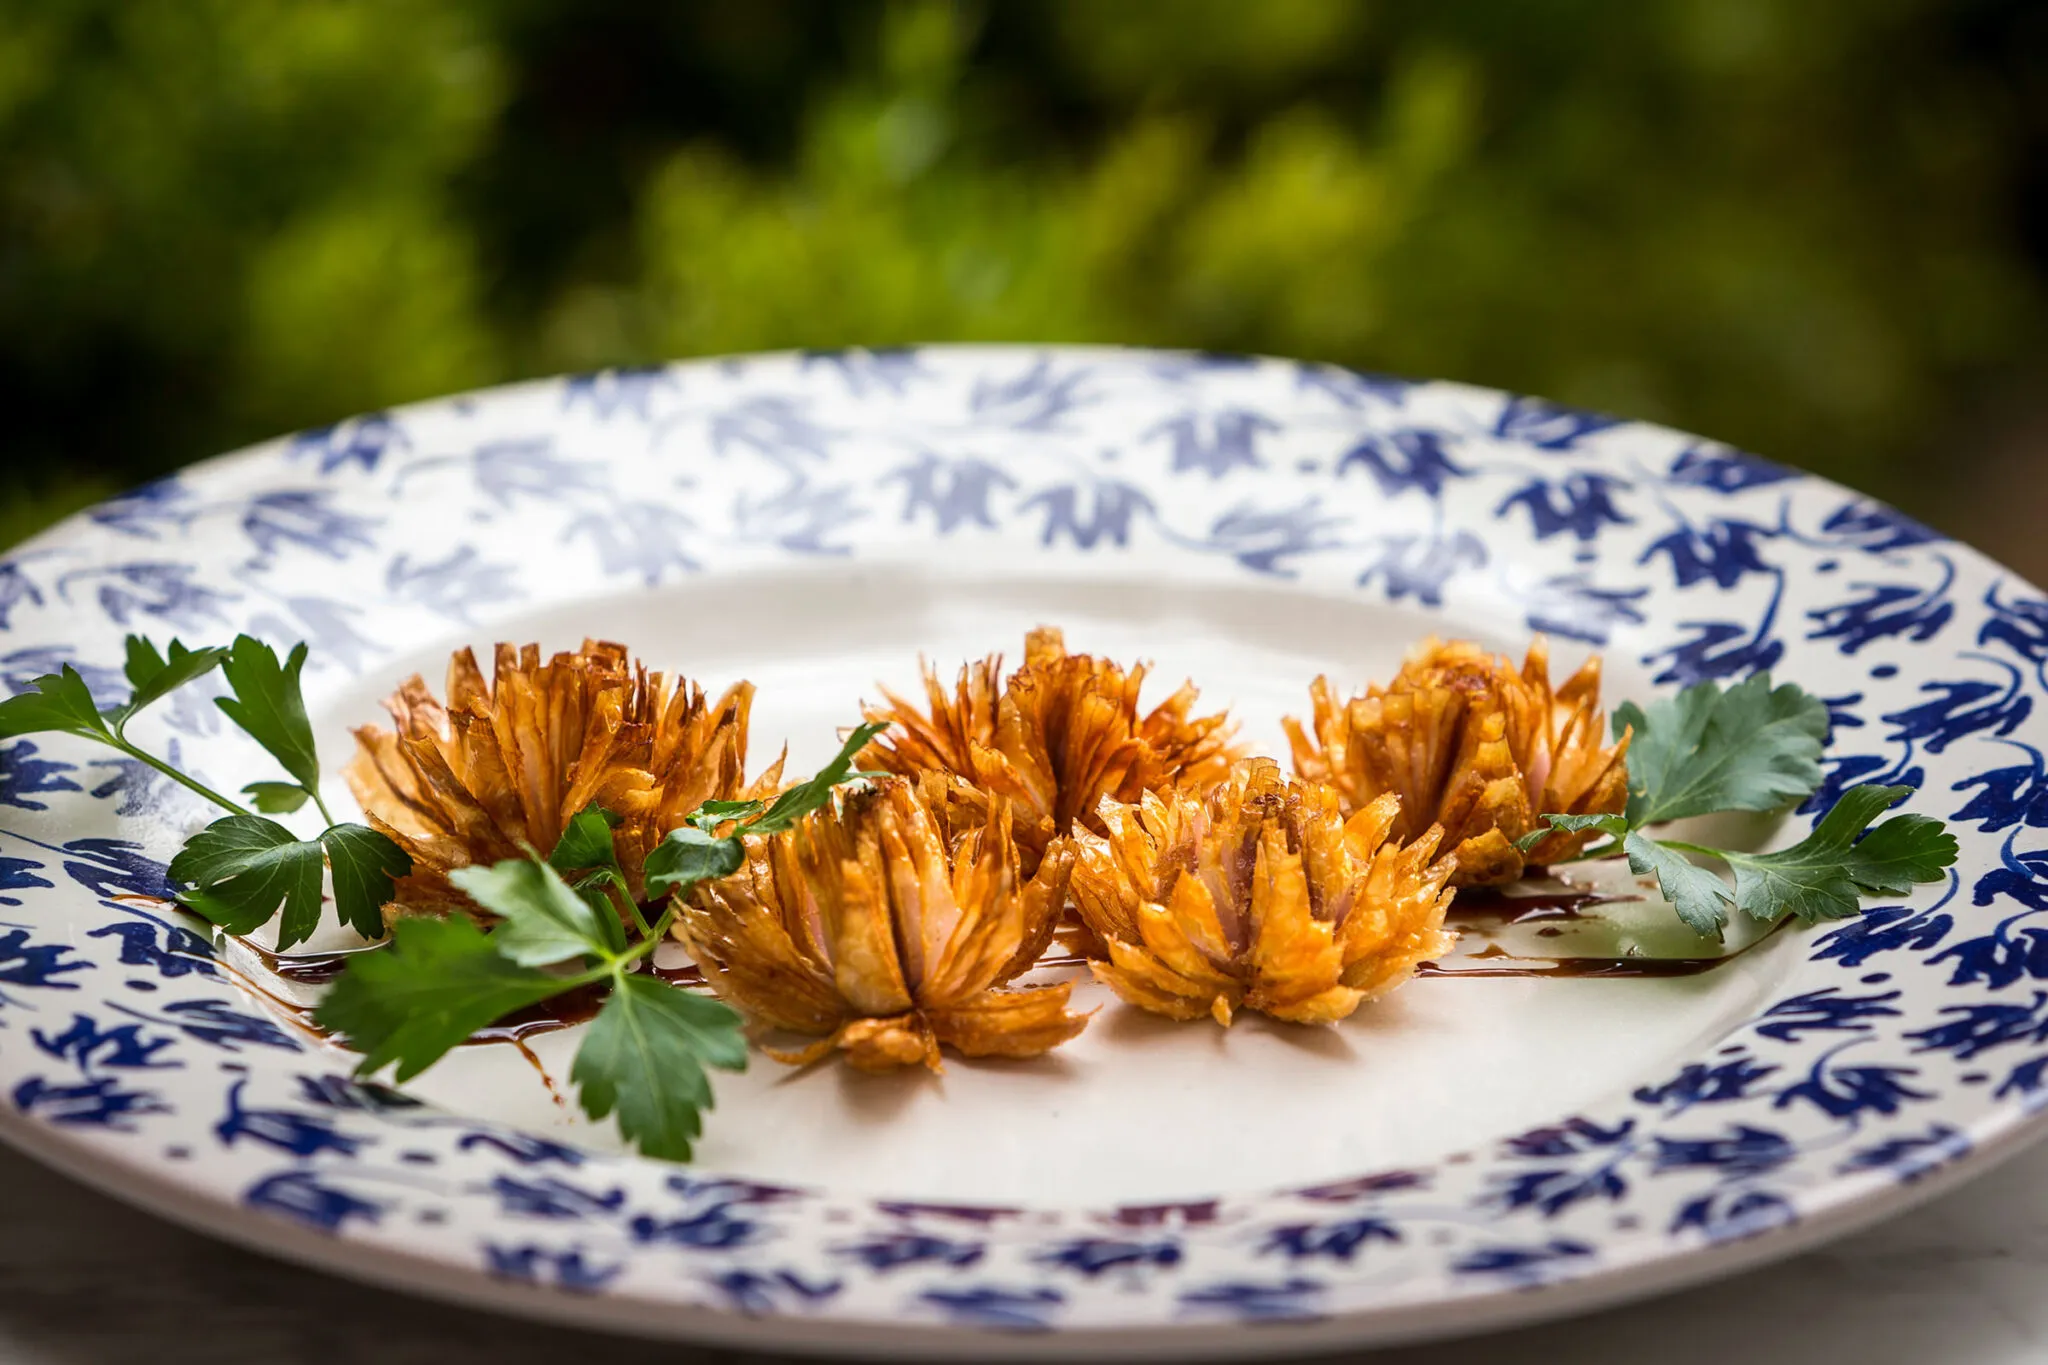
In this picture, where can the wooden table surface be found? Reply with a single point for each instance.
(85, 1280)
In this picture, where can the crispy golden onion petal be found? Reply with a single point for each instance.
(874, 928)
(1259, 894)
(505, 763)
(1469, 743)
(1055, 738)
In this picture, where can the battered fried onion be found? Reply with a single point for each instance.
(1259, 895)
(1468, 743)
(866, 927)
(504, 764)
(1055, 739)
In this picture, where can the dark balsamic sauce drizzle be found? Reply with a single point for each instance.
(1533, 909)
(1600, 968)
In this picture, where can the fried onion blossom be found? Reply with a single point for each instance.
(1468, 743)
(504, 764)
(1259, 895)
(869, 928)
(1055, 738)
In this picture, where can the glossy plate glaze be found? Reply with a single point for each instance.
(1545, 1123)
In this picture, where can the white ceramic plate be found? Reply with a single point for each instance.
(1469, 1153)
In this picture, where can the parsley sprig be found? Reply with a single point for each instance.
(1754, 747)
(241, 870)
(561, 927)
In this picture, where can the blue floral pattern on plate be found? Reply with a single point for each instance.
(1907, 1043)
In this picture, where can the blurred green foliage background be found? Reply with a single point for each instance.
(1819, 231)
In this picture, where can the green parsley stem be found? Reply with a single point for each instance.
(168, 771)
(325, 814)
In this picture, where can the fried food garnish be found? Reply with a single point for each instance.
(505, 764)
(1259, 895)
(1468, 743)
(871, 929)
(1060, 735)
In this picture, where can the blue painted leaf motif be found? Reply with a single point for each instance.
(42, 965)
(778, 428)
(284, 1129)
(1909, 1158)
(1093, 1256)
(1698, 1083)
(1823, 1011)
(1885, 611)
(508, 472)
(2020, 624)
(885, 369)
(762, 1293)
(23, 775)
(1727, 1215)
(361, 441)
(1971, 1029)
(629, 389)
(127, 592)
(219, 1024)
(1723, 552)
(1035, 400)
(1547, 426)
(344, 1092)
(1571, 607)
(116, 867)
(1214, 443)
(20, 668)
(1745, 1151)
(1551, 1189)
(455, 586)
(1111, 508)
(1849, 1092)
(1724, 469)
(1411, 458)
(714, 1228)
(565, 1269)
(2017, 795)
(554, 1198)
(1579, 503)
(799, 518)
(302, 517)
(1032, 1309)
(1288, 1300)
(1885, 929)
(88, 1047)
(300, 1196)
(642, 539)
(1352, 388)
(523, 1148)
(1719, 649)
(955, 492)
(891, 1252)
(1193, 367)
(1876, 529)
(19, 874)
(16, 588)
(102, 1102)
(1265, 540)
(1570, 1138)
(1421, 566)
(150, 512)
(2028, 1081)
(1336, 1241)
(2006, 955)
(1531, 1264)
(1962, 708)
